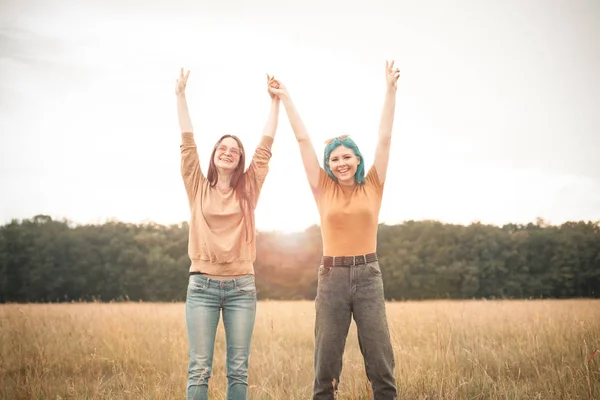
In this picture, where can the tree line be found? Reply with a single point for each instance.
(45, 260)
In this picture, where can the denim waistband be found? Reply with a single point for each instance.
(222, 283)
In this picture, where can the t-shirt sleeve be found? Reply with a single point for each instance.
(325, 184)
(372, 179)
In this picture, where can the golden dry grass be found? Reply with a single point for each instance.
(444, 350)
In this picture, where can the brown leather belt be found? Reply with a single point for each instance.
(348, 261)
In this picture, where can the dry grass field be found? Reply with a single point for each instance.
(541, 349)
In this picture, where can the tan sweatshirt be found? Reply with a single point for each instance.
(217, 238)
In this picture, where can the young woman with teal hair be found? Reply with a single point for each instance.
(349, 278)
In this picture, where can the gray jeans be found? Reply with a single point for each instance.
(344, 292)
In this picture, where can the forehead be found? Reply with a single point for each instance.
(229, 142)
(341, 150)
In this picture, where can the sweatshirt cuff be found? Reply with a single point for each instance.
(266, 141)
(187, 138)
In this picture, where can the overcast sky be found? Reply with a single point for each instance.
(497, 118)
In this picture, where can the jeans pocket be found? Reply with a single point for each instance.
(324, 271)
(197, 284)
(248, 287)
(374, 269)
(196, 287)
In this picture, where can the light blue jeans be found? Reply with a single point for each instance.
(205, 299)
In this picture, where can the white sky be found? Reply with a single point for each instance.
(497, 115)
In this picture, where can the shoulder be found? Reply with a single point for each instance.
(372, 179)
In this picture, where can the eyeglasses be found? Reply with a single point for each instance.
(233, 150)
(343, 137)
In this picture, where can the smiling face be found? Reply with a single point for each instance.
(227, 158)
(343, 163)
(227, 155)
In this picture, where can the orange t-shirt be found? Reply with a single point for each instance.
(217, 238)
(349, 217)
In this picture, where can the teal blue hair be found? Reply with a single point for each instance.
(348, 143)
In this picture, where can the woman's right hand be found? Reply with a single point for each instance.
(181, 82)
(269, 80)
(278, 89)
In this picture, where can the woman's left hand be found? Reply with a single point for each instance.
(272, 82)
(391, 75)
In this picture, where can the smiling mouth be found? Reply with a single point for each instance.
(226, 159)
(343, 171)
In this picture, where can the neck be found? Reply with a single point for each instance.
(350, 183)
(224, 179)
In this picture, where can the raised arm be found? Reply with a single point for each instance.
(382, 152)
(259, 166)
(183, 114)
(271, 126)
(307, 150)
(190, 163)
